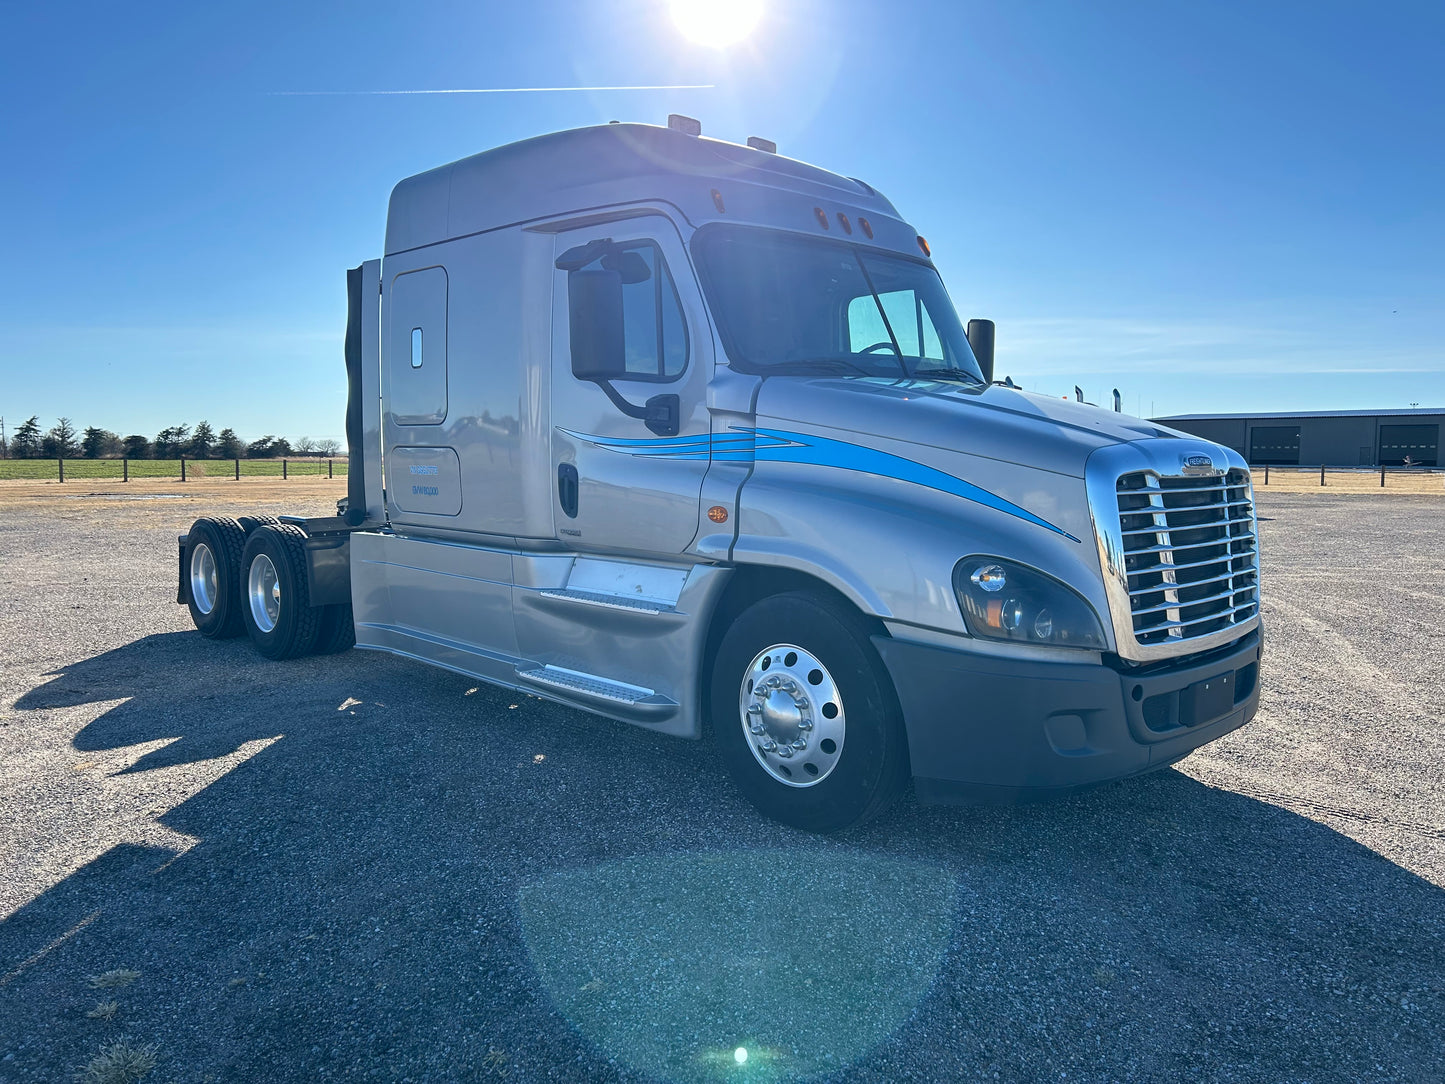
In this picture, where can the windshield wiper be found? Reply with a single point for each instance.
(948, 374)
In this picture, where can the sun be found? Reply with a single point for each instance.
(718, 23)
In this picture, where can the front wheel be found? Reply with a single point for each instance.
(805, 715)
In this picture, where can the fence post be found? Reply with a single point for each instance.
(328, 468)
(238, 468)
(283, 469)
(61, 461)
(183, 468)
(1322, 474)
(1382, 476)
(1266, 474)
(125, 470)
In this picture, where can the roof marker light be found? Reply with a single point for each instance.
(822, 216)
(924, 246)
(758, 143)
(686, 125)
(867, 228)
(843, 221)
(717, 201)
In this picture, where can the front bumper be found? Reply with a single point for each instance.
(988, 729)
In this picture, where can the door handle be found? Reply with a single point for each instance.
(567, 489)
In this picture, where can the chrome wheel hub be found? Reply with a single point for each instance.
(792, 715)
(263, 590)
(203, 577)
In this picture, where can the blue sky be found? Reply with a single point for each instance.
(1212, 207)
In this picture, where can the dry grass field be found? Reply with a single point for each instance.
(1292, 480)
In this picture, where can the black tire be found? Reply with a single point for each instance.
(296, 621)
(338, 629)
(250, 523)
(225, 540)
(872, 768)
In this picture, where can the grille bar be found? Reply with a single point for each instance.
(1159, 528)
(1199, 621)
(1180, 604)
(1192, 567)
(1194, 564)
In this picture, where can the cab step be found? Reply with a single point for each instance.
(613, 602)
(594, 687)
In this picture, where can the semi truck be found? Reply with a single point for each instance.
(688, 434)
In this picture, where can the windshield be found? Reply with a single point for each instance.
(786, 303)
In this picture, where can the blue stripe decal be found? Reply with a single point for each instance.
(780, 446)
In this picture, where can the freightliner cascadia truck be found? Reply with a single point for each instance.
(688, 434)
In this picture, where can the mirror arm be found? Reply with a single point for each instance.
(662, 413)
(630, 409)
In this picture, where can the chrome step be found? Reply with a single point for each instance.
(601, 688)
(614, 602)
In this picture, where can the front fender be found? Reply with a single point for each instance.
(890, 545)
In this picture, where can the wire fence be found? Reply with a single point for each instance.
(182, 470)
(1410, 479)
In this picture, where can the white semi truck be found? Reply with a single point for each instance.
(688, 434)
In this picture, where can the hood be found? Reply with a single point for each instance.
(999, 423)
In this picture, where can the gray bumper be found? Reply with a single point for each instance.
(986, 729)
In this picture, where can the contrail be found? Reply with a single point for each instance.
(484, 90)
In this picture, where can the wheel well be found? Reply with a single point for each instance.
(749, 584)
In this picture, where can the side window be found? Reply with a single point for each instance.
(653, 329)
(907, 316)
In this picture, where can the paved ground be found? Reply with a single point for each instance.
(355, 868)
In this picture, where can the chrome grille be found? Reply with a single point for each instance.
(1190, 554)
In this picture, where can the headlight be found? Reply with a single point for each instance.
(1003, 600)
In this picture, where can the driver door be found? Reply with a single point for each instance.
(617, 485)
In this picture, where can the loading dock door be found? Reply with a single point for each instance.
(1277, 444)
(1421, 443)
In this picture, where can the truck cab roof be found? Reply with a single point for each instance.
(607, 165)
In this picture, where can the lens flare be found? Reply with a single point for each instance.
(716, 23)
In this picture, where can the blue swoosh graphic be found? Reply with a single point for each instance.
(780, 446)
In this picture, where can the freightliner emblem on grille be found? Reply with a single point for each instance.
(1198, 464)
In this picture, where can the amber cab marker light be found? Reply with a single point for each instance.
(822, 216)
(843, 221)
(718, 514)
(867, 228)
(717, 201)
(924, 246)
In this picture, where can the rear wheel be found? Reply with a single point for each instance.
(805, 715)
(213, 568)
(250, 523)
(276, 608)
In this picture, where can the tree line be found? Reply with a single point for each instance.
(63, 441)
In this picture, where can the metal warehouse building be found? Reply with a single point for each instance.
(1333, 438)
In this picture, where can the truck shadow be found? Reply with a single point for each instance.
(426, 877)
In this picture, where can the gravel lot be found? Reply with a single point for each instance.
(359, 868)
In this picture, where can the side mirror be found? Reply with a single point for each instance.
(980, 339)
(594, 312)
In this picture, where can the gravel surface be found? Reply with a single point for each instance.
(359, 868)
